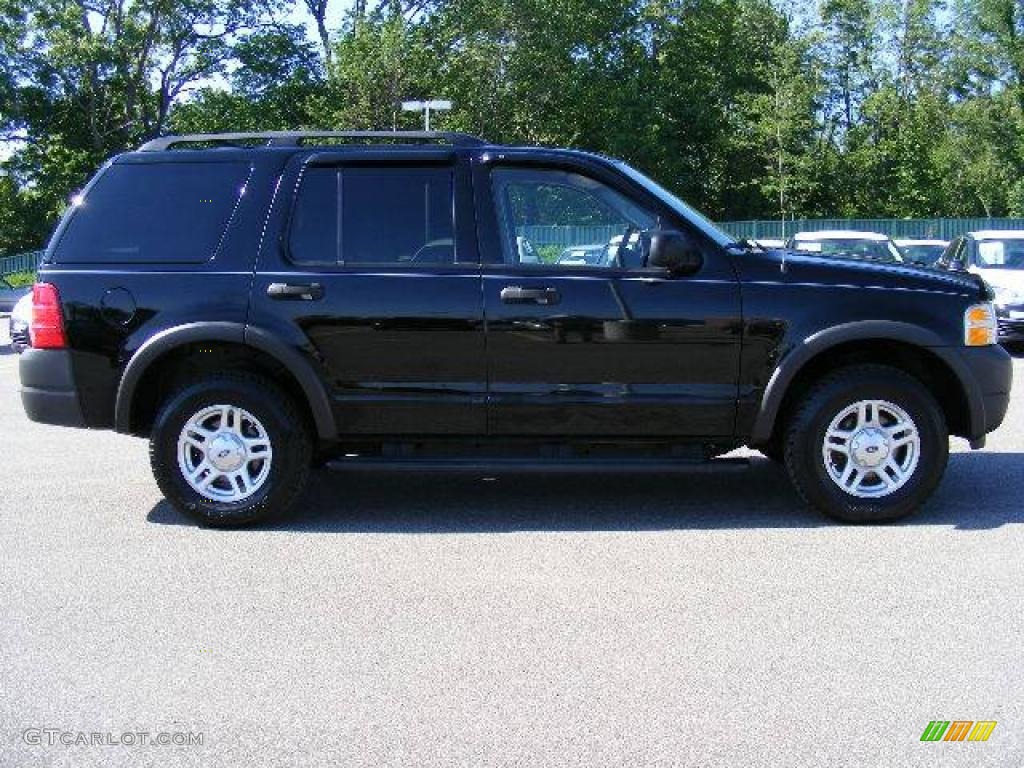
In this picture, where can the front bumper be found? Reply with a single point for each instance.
(986, 374)
(48, 392)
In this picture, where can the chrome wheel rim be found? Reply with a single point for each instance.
(224, 453)
(871, 448)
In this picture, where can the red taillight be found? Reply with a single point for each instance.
(47, 328)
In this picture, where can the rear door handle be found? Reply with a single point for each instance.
(516, 294)
(303, 292)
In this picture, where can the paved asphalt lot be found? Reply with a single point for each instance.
(697, 620)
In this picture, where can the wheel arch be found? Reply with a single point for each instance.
(142, 373)
(913, 349)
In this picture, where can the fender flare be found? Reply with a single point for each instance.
(864, 330)
(236, 333)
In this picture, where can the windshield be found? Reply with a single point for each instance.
(925, 255)
(852, 248)
(699, 220)
(1000, 254)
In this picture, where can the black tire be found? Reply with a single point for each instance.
(805, 435)
(286, 430)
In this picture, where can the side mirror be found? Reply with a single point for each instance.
(675, 252)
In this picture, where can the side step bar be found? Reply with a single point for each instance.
(552, 466)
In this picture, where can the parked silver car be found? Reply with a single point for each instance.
(21, 318)
(9, 295)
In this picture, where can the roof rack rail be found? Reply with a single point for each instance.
(298, 138)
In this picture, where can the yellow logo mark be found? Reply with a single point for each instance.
(982, 730)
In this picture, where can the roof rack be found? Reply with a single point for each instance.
(299, 138)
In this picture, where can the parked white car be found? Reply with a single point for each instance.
(846, 243)
(9, 295)
(997, 255)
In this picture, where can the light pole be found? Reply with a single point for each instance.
(438, 105)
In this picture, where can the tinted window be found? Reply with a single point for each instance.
(398, 216)
(564, 220)
(692, 215)
(315, 229)
(153, 213)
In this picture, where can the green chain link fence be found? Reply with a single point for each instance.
(20, 263)
(938, 229)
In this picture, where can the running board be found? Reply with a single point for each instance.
(553, 466)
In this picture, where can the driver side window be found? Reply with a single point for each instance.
(563, 220)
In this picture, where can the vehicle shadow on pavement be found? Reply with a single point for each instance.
(980, 491)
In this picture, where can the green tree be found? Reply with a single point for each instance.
(849, 51)
(83, 81)
(744, 107)
(377, 62)
(277, 73)
(779, 128)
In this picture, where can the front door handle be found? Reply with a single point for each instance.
(303, 292)
(516, 294)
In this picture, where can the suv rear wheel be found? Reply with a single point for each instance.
(868, 444)
(230, 449)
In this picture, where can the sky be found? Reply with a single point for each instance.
(335, 11)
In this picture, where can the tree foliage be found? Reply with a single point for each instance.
(747, 108)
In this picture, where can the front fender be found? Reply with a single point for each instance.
(862, 330)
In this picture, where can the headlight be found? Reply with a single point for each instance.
(980, 327)
(1007, 296)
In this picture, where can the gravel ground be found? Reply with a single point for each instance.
(695, 620)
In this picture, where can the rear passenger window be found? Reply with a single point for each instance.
(153, 213)
(388, 216)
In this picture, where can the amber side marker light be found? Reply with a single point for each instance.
(980, 326)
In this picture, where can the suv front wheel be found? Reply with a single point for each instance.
(230, 449)
(868, 444)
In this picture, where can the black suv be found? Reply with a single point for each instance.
(258, 304)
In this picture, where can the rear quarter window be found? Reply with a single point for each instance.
(167, 213)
